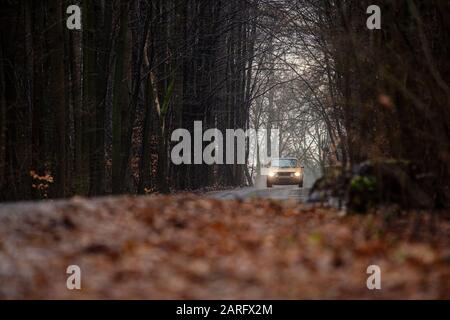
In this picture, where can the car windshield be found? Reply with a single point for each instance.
(284, 163)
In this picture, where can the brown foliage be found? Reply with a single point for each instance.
(192, 248)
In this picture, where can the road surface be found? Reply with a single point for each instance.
(275, 193)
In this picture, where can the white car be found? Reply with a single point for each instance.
(285, 171)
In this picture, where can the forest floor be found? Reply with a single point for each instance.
(191, 247)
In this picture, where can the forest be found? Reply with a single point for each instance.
(90, 112)
(92, 93)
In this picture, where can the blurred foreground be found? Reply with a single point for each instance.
(188, 247)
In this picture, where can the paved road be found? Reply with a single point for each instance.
(276, 193)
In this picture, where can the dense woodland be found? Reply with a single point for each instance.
(91, 112)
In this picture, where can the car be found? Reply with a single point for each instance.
(285, 171)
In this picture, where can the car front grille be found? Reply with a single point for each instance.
(285, 174)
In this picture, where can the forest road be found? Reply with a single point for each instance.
(275, 193)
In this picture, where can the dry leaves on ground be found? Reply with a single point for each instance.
(189, 247)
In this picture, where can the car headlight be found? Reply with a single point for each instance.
(297, 174)
(271, 174)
